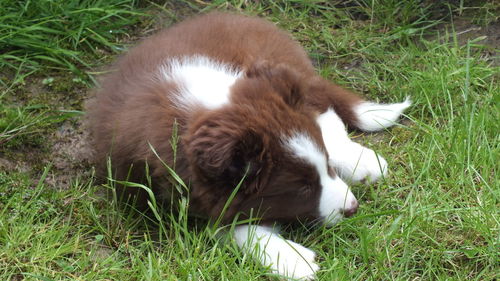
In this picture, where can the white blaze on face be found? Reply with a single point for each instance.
(335, 194)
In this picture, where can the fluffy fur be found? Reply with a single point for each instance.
(246, 100)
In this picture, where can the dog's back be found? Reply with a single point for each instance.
(131, 107)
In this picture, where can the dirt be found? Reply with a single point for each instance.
(71, 154)
(466, 31)
(62, 146)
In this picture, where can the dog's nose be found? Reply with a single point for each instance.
(352, 210)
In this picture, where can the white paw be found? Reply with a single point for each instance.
(357, 163)
(283, 257)
(291, 260)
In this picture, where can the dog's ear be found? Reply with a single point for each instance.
(283, 79)
(223, 151)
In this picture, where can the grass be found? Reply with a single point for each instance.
(61, 34)
(435, 217)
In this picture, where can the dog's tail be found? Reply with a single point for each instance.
(352, 109)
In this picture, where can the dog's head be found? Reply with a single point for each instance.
(266, 136)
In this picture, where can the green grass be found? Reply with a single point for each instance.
(66, 35)
(435, 217)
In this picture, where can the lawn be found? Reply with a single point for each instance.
(434, 217)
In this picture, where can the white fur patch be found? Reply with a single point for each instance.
(375, 117)
(201, 81)
(335, 197)
(284, 257)
(352, 161)
(335, 194)
(304, 147)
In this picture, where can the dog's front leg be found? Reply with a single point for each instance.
(353, 162)
(282, 256)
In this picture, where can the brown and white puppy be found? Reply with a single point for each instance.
(247, 101)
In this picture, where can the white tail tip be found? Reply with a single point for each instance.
(375, 117)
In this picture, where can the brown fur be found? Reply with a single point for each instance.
(280, 93)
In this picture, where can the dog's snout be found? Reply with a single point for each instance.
(348, 212)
